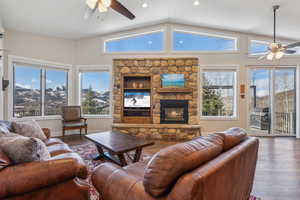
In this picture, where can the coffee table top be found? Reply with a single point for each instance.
(117, 142)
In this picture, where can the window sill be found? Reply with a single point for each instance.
(98, 116)
(38, 118)
(214, 118)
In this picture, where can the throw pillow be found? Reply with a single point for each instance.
(23, 149)
(29, 129)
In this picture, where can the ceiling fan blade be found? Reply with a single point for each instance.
(117, 6)
(296, 44)
(287, 51)
(262, 57)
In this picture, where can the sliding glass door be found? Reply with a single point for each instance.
(272, 107)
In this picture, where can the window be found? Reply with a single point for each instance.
(38, 91)
(56, 93)
(188, 41)
(149, 42)
(27, 91)
(218, 95)
(258, 47)
(95, 93)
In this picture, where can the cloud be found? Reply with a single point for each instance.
(24, 86)
(48, 81)
(33, 80)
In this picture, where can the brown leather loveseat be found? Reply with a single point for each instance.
(220, 166)
(60, 178)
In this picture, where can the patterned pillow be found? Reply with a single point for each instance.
(29, 129)
(24, 149)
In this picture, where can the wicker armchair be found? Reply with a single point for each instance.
(72, 119)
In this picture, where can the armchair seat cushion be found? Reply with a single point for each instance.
(77, 124)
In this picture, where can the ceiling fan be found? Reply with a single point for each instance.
(103, 5)
(276, 50)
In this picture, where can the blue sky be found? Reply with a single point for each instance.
(147, 42)
(30, 77)
(193, 42)
(99, 81)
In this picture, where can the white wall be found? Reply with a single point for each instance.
(89, 51)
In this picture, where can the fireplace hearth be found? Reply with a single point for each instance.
(174, 112)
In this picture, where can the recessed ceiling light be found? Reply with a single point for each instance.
(145, 5)
(196, 3)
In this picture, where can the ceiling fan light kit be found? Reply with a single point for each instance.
(103, 5)
(277, 50)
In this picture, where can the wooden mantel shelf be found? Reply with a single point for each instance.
(174, 90)
(176, 126)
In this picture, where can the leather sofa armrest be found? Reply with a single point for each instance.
(111, 181)
(28, 177)
(47, 132)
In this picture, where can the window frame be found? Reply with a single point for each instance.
(236, 103)
(43, 65)
(134, 34)
(95, 68)
(201, 32)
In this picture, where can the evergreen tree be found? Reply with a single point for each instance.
(212, 101)
(89, 104)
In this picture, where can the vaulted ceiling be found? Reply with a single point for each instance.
(65, 18)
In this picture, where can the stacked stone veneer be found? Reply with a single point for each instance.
(155, 67)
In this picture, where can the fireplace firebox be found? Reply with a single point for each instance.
(174, 112)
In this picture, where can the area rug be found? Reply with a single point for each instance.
(88, 149)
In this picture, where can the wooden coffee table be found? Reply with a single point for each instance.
(117, 145)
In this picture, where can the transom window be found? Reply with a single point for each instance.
(148, 42)
(258, 47)
(39, 90)
(190, 41)
(95, 92)
(218, 93)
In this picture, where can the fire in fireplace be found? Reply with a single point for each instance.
(174, 112)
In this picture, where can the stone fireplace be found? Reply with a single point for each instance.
(174, 111)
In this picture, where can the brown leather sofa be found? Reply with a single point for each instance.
(60, 178)
(220, 166)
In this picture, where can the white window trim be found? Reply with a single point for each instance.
(205, 32)
(95, 68)
(134, 34)
(45, 65)
(236, 103)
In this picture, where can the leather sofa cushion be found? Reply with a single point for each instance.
(169, 164)
(4, 160)
(232, 137)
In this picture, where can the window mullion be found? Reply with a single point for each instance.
(43, 84)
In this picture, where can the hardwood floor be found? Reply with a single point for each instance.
(278, 168)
